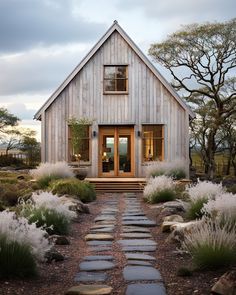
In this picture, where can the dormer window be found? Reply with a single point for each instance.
(115, 79)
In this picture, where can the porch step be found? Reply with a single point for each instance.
(118, 185)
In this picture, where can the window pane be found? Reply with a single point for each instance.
(152, 142)
(121, 85)
(121, 72)
(109, 85)
(110, 72)
(82, 149)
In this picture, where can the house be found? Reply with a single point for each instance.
(136, 116)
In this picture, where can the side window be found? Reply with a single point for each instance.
(153, 142)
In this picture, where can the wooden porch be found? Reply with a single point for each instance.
(118, 185)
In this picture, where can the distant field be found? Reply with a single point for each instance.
(221, 163)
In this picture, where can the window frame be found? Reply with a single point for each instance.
(70, 148)
(126, 79)
(162, 138)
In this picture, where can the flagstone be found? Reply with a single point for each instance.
(96, 265)
(133, 229)
(98, 257)
(139, 248)
(137, 256)
(136, 235)
(137, 242)
(99, 243)
(89, 290)
(145, 223)
(135, 273)
(104, 218)
(91, 277)
(139, 262)
(147, 289)
(101, 237)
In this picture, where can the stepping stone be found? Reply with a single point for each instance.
(91, 277)
(134, 229)
(105, 218)
(133, 214)
(89, 290)
(134, 218)
(136, 235)
(99, 243)
(100, 248)
(147, 289)
(99, 226)
(145, 223)
(103, 230)
(106, 222)
(137, 242)
(146, 273)
(139, 248)
(139, 262)
(96, 265)
(137, 256)
(98, 257)
(99, 237)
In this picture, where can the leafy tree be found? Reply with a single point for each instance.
(7, 120)
(30, 146)
(11, 139)
(201, 59)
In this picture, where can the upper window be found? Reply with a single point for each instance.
(115, 79)
(153, 142)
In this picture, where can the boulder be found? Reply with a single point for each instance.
(174, 217)
(166, 226)
(176, 206)
(179, 229)
(53, 255)
(75, 204)
(59, 240)
(226, 285)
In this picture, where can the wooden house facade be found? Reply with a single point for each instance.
(136, 116)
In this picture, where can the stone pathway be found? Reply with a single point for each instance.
(136, 243)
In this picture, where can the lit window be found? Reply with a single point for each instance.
(115, 79)
(81, 153)
(153, 142)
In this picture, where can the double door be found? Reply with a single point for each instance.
(116, 151)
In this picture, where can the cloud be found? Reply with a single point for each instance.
(26, 24)
(21, 111)
(38, 71)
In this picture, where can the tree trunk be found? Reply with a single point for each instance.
(210, 154)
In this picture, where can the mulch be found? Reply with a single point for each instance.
(57, 277)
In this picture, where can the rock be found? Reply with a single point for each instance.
(91, 276)
(59, 240)
(177, 205)
(74, 204)
(180, 229)
(89, 290)
(166, 226)
(136, 273)
(174, 217)
(96, 265)
(137, 256)
(226, 285)
(101, 237)
(20, 177)
(148, 289)
(53, 255)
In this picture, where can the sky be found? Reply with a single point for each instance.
(42, 41)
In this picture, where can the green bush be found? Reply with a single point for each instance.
(213, 256)
(45, 181)
(52, 221)
(9, 160)
(184, 272)
(195, 209)
(162, 196)
(74, 187)
(16, 259)
(177, 173)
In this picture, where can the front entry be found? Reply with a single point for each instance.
(116, 151)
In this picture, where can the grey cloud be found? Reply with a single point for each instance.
(36, 72)
(20, 110)
(184, 11)
(25, 24)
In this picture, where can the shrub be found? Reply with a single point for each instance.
(159, 189)
(195, 209)
(18, 229)
(74, 187)
(199, 195)
(9, 160)
(175, 169)
(46, 172)
(184, 272)
(211, 245)
(46, 210)
(222, 208)
(16, 259)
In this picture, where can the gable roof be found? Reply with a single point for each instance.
(142, 56)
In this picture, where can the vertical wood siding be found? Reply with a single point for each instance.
(147, 101)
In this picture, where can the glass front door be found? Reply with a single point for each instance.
(116, 152)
